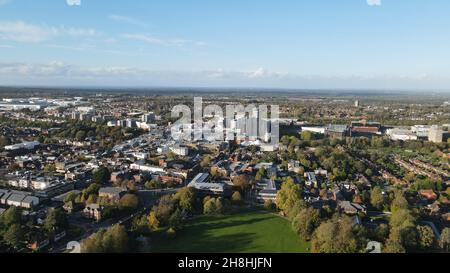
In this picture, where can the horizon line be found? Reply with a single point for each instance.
(227, 88)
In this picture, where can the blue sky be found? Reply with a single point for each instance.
(370, 44)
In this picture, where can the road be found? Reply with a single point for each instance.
(437, 235)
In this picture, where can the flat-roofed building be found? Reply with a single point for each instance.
(401, 134)
(4, 195)
(202, 183)
(314, 129)
(113, 193)
(268, 191)
(15, 199)
(436, 134)
(30, 202)
(25, 145)
(336, 131)
(311, 179)
(17, 106)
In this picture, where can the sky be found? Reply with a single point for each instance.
(305, 44)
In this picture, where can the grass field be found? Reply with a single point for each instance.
(243, 232)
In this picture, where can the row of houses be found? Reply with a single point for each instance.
(18, 199)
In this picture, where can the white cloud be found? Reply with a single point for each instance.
(60, 74)
(60, 69)
(128, 20)
(22, 32)
(73, 2)
(19, 31)
(264, 73)
(374, 2)
(143, 38)
(177, 42)
(4, 2)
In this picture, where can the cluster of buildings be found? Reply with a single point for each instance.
(159, 156)
(37, 104)
(18, 199)
(136, 120)
(417, 132)
(22, 146)
(433, 133)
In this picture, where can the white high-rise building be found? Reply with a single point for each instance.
(149, 117)
(436, 134)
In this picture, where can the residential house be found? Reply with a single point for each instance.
(15, 199)
(429, 195)
(351, 208)
(112, 193)
(93, 211)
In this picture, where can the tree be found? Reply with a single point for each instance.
(335, 236)
(92, 199)
(11, 216)
(216, 206)
(176, 219)
(223, 205)
(261, 173)
(209, 207)
(410, 177)
(426, 237)
(381, 233)
(402, 219)
(306, 222)
(444, 242)
(71, 197)
(141, 225)
(81, 135)
(403, 231)
(101, 176)
(213, 172)
(92, 189)
(164, 209)
(236, 198)
(50, 168)
(394, 244)
(113, 240)
(288, 195)
(55, 220)
(258, 177)
(171, 155)
(129, 201)
(4, 141)
(206, 161)
(242, 182)
(399, 201)
(154, 184)
(295, 209)
(14, 236)
(153, 221)
(171, 232)
(269, 205)
(368, 172)
(306, 135)
(186, 198)
(377, 198)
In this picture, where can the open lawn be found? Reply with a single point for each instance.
(243, 232)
